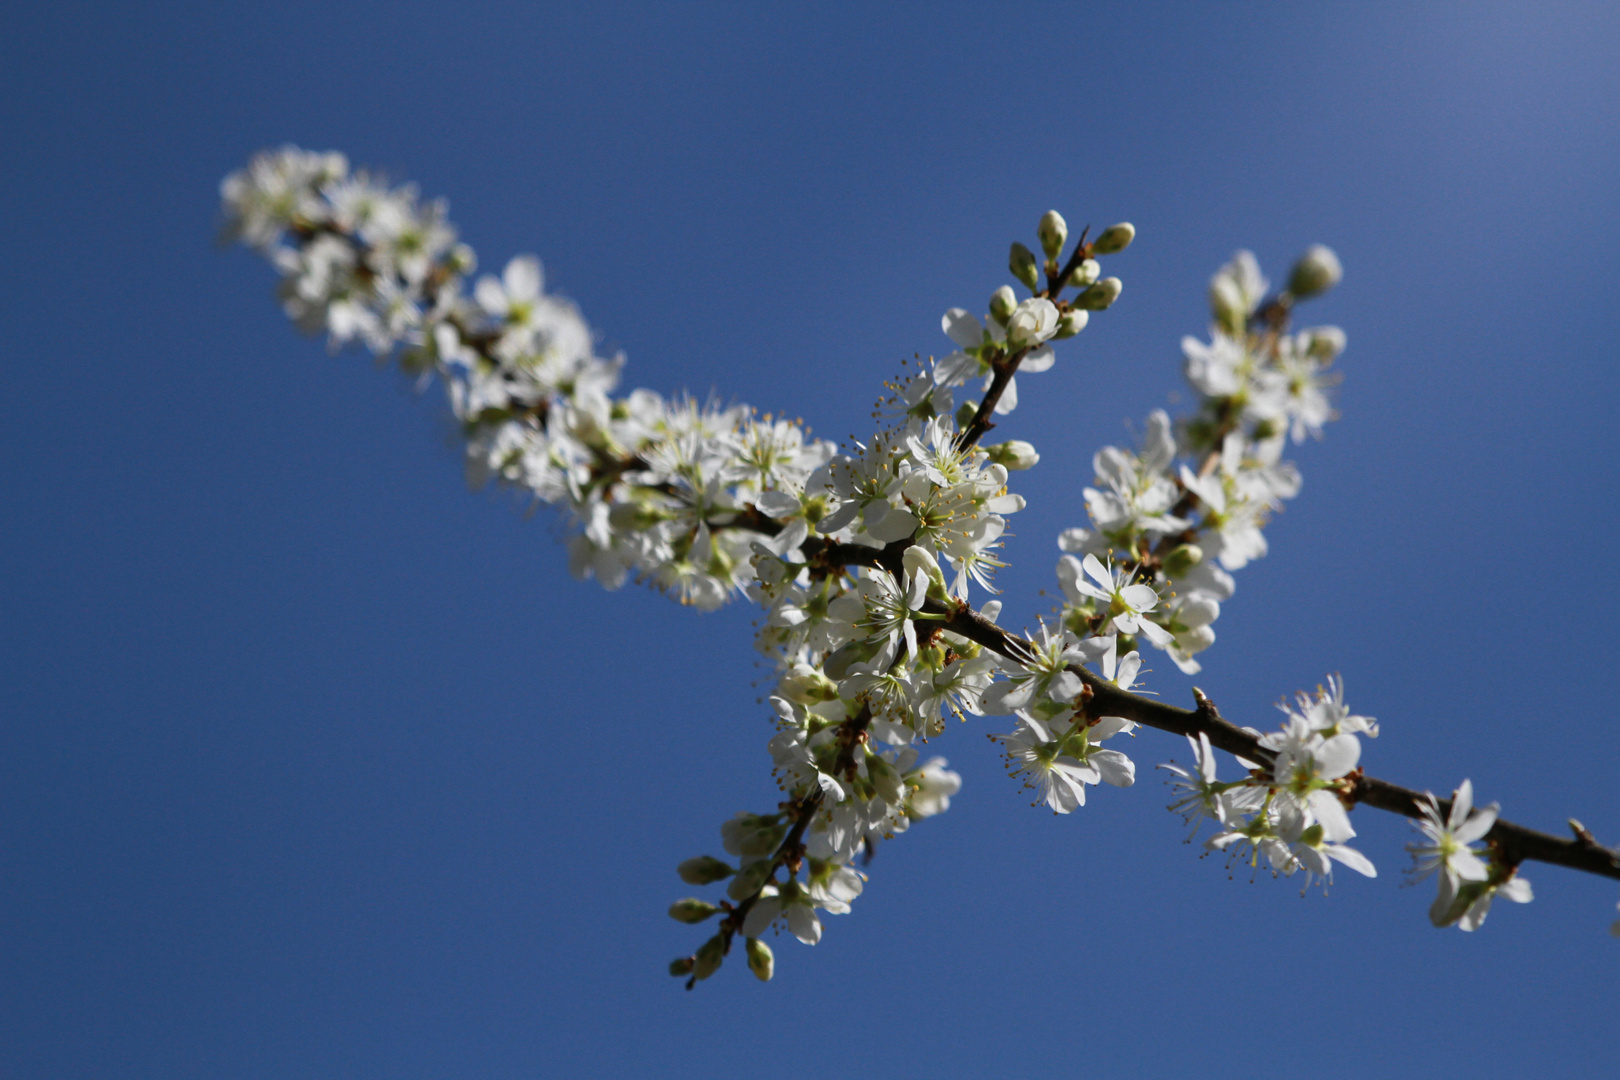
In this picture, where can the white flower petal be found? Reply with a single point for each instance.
(803, 923)
(963, 327)
(1338, 755)
(1352, 858)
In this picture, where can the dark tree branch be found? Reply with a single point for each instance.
(1004, 368)
(1514, 843)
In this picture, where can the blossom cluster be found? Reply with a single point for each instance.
(844, 551)
(656, 488)
(868, 560)
(1290, 811)
(1172, 520)
(1156, 562)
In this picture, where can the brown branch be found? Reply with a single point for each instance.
(1082, 252)
(790, 851)
(1005, 368)
(1513, 843)
(825, 555)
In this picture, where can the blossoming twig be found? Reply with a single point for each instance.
(846, 549)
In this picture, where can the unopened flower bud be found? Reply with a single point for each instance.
(1088, 271)
(1226, 304)
(965, 413)
(1021, 261)
(682, 965)
(752, 836)
(691, 910)
(1101, 295)
(1014, 455)
(760, 960)
(704, 870)
(1071, 323)
(807, 686)
(1002, 304)
(709, 958)
(1195, 640)
(921, 560)
(634, 516)
(1054, 233)
(1114, 238)
(890, 788)
(1181, 561)
(1317, 271)
(749, 880)
(1324, 343)
(461, 260)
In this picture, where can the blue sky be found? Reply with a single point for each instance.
(314, 764)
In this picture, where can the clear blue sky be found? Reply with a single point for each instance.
(313, 764)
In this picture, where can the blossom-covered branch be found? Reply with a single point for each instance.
(864, 558)
(1515, 843)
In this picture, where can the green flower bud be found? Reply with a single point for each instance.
(682, 965)
(634, 516)
(691, 910)
(1101, 295)
(1317, 271)
(1071, 323)
(704, 870)
(1021, 261)
(1002, 304)
(760, 960)
(1114, 238)
(1181, 561)
(1054, 233)
(1014, 455)
(1088, 271)
(752, 836)
(807, 686)
(749, 880)
(709, 958)
(461, 260)
(1324, 343)
(885, 779)
(965, 413)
